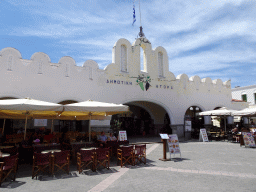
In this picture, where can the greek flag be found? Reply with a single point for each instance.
(134, 17)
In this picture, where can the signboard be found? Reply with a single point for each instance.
(173, 144)
(164, 136)
(187, 125)
(122, 136)
(40, 122)
(203, 135)
(248, 139)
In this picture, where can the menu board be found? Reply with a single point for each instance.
(203, 135)
(164, 136)
(122, 136)
(248, 139)
(173, 144)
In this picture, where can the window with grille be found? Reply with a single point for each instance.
(160, 64)
(123, 58)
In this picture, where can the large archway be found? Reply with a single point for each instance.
(145, 118)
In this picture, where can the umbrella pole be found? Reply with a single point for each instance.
(3, 127)
(52, 126)
(90, 129)
(26, 121)
(225, 123)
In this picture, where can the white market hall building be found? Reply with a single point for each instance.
(156, 97)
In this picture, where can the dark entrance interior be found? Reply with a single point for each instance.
(136, 122)
(197, 121)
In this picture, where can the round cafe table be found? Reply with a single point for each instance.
(88, 148)
(51, 151)
(5, 155)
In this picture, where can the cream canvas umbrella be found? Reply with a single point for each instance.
(28, 108)
(93, 110)
(223, 111)
(247, 112)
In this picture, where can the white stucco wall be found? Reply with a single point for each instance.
(38, 78)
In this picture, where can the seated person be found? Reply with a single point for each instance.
(111, 137)
(102, 139)
(20, 131)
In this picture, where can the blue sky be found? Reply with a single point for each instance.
(208, 38)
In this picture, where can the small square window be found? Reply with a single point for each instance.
(244, 97)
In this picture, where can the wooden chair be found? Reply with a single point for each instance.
(102, 158)
(140, 154)
(125, 155)
(76, 148)
(112, 147)
(8, 166)
(60, 161)
(86, 158)
(40, 163)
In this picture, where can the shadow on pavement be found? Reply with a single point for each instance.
(12, 184)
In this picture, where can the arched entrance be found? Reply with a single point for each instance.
(196, 121)
(144, 118)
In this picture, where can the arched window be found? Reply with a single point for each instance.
(123, 58)
(160, 64)
(143, 60)
(10, 63)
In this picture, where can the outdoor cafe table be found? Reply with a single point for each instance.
(89, 148)
(4, 155)
(51, 150)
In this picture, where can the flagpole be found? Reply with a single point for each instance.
(140, 13)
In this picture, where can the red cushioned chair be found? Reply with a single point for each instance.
(125, 155)
(140, 154)
(86, 158)
(60, 161)
(8, 166)
(102, 158)
(41, 162)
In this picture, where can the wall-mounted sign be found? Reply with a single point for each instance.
(40, 122)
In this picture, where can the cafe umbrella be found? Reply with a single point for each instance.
(93, 110)
(28, 108)
(222, 112)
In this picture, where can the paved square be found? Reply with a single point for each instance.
(212, 166)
